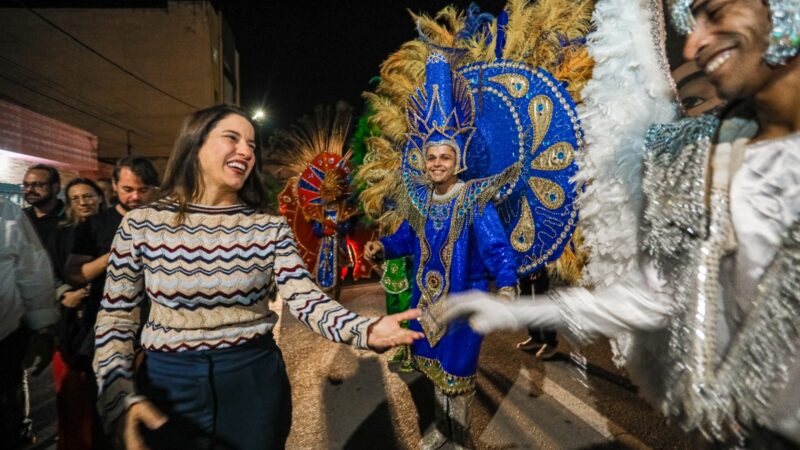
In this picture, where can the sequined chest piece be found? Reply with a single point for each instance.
(439, 214)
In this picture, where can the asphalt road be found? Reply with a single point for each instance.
(349, 399)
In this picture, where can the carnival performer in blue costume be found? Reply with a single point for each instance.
(457, 243)
(473, 168)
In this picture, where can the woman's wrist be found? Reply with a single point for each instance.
(133, 399)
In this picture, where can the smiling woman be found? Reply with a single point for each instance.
(213, 159)
(208, 259)
(226, 159)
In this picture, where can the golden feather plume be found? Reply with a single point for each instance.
(383, 185)
(518, 30)
(480, 48)
(324, 131)
(437, 33)
(389, 117)
(534, 28)
(534, 34)
(569, 265)
(452, 17)
(576, 70)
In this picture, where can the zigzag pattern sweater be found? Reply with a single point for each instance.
(208, 281)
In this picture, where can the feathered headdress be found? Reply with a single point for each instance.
(441, 113)
(312, 155)
(522, 70)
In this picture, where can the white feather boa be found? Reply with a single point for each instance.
(628, 92)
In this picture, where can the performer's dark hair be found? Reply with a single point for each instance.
(183, 178)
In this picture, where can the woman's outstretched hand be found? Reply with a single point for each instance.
(488, 312)
(139, 414)
(387, 332)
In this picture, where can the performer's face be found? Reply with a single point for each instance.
(697, 95)
(440, 163)
(728, 43)
(228, 154)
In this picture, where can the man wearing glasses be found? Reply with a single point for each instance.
(40, 187)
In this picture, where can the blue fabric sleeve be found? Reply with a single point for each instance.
(401, 243)
(493, 246)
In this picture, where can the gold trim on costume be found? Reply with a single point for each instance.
(557, 157)
(516, 85)
(540, 110)
(510, 292)
(448, 383)
(549, 193)
(415, 160)
(524, 231)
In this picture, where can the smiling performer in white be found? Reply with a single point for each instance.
(714, 308)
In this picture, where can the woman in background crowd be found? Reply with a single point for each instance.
(76, 390)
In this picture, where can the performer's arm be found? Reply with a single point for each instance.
(636, 302)
(117, 326)
(31, 283)
(495, 251)
(33, 272)
(401, 243)
(82, 267)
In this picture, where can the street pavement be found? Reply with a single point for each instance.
(350, 399)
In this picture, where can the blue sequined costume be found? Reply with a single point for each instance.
(515, 135)
(456, 252)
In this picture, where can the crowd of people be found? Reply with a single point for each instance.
(76, 275)
(75, 235)
(151, 297)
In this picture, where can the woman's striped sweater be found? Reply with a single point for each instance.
(208, 281)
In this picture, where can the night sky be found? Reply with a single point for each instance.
(295, 55)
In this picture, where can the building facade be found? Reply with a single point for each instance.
(126, 75)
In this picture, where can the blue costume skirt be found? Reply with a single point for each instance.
(453, 362)
(237, 397)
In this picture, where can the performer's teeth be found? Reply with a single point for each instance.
(718, 60)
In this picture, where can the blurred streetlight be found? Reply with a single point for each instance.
(259, 115)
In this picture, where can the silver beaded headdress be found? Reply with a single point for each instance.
(784, 38)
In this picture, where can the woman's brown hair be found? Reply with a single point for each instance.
(183, 178)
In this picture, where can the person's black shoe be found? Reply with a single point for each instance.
(540, 350)
(547, 352)
(530, 345)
